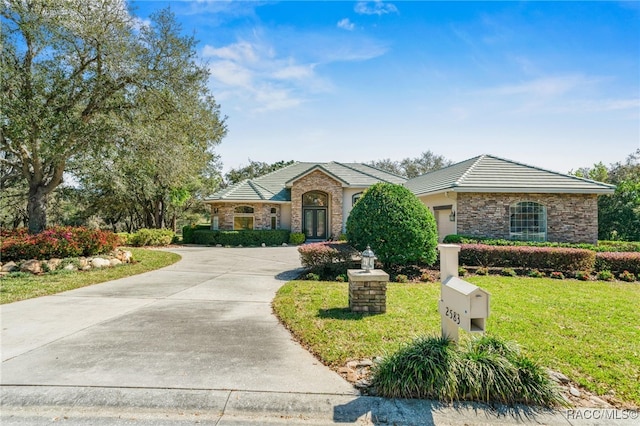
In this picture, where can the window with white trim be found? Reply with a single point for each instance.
(274, 217)
(242, 218)
(528, 221)
(355, 198)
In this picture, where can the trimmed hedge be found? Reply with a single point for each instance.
(188, 230)
(57, 242)
(269, 237)
(602, 246)
(320, 255)
(546, 258)
(152, 237)
(328, 259)
(618, 262)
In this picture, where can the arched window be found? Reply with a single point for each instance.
(528, 221)
(242, 218)
(355, 198)
(315, 199)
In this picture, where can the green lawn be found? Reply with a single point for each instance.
(27, 286)
(589, 331)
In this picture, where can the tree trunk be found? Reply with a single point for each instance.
(174, 223)
(37, 209)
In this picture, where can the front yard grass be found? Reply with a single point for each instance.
(589, 331)
(26, 286)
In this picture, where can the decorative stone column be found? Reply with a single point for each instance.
(368, 291)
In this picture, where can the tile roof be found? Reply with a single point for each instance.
(487, 173)
(275, 186)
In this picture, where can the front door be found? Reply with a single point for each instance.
(315, 223)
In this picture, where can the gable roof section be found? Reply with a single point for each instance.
(487, 173)
(275, 186)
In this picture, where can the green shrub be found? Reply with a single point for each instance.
(602, 246)
(508, 272)
(452, 239)
(342, 278)
(482, 271)
(424, 369)
(401, 278)
(549, 258)
(318, 256)
(534, 273)
(312, 277)
(556, 275)
(486, 370)
(57, 242)
(582, 276)
(428, 277)
(399, 228)
(627, 276)
(624, 246)
(188, 230)
(126, 238)
(618, 262)
(605, 275)
(297, 238)
(462, 271)
(245, 238)
(152, 237)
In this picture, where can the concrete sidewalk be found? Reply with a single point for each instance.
(195, 342)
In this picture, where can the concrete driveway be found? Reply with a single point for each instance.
(202, 323)
(193, 343)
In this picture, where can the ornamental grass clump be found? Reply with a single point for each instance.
(483, 369)
(425, 369)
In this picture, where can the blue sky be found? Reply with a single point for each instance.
(553, 84)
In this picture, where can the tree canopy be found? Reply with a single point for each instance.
(412, 167)
(87, 91)
(618, 214)
(253, 170)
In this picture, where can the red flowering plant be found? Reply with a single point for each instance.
(58, 242)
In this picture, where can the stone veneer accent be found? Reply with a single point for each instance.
(317, 181)
(570, 217)
(261, 215)
(368, 291)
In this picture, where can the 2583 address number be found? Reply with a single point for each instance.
(452, 315)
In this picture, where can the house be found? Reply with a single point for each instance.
(483, 196)
(313, 198)
(493, 197)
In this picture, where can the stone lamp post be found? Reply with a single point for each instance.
(368, 286)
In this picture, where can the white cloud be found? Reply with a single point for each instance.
(376, 7)
(346, 24)
(241, 52)
(545, 87)
(251, 73)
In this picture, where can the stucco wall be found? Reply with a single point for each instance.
(317, 181)
(347, 203)
(570, 217)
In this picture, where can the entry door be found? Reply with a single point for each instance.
(315, 223)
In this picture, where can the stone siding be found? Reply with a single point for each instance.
(261, 215)
(570, 217)
(368, 291)
(317, 181)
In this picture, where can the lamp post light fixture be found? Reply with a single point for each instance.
(368, 259)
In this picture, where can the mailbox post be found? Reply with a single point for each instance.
(462, 305)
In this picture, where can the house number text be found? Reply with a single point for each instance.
(452, 315)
